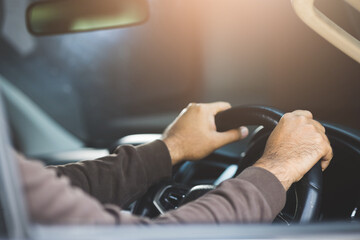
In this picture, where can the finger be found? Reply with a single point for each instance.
(218, 106)
(231, 136)
(325, 161)
(318, 126)
(305, 113)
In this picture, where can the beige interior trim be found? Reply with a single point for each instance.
(354, 3)
(329, 30)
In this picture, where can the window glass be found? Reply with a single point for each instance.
(97, 84)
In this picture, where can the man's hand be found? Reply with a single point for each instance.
(193, 134)
(294, 147)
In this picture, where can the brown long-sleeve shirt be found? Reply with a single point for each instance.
(90, 192)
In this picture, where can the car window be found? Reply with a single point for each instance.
(245, 52)
(127, 72)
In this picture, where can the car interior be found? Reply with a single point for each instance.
(76, 94)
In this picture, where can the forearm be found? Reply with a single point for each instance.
(122, 177)
(254, 196)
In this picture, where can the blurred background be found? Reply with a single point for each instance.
(103, 85)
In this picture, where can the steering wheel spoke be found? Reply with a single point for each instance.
(170, 197)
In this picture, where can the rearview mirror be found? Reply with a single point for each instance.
(70, 16)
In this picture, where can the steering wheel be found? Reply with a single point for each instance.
(170, 195)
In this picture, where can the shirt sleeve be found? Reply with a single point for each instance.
(122, 177)
(254, 196)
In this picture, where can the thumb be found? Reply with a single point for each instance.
(232, 136)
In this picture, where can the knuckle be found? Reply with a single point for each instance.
(311, 127)
(197, 107)
(328, 144)
(287, 116)
(301, 118)
(321, 127)
(318, 139)
(200, 107)
(191, 105)
(308, 113)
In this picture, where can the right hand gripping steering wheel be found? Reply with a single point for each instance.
(307, 190)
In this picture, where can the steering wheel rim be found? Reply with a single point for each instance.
(308, 189)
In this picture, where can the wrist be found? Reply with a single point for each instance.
(174, 149)
(279, 171)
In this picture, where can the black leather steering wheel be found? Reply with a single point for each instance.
(307, 190)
